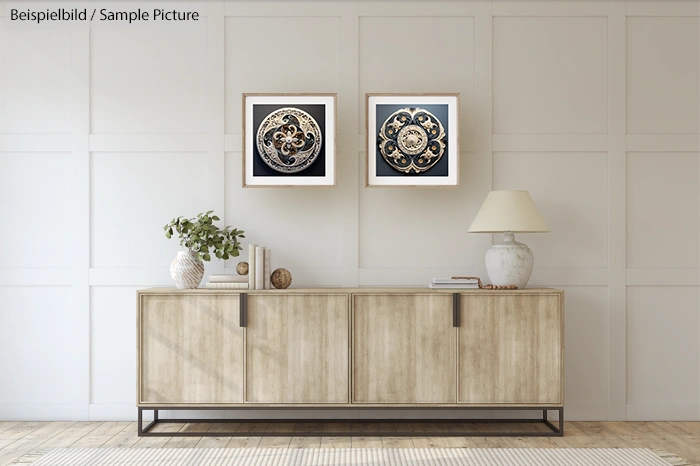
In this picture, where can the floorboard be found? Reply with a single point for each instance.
(20, 438)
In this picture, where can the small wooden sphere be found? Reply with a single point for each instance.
(281, 279)
(242, 268)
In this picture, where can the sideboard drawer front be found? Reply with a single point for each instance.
(297, 348)
(511, 349)
(191, 349)
(403, 349)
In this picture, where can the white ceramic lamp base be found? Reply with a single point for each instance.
(509, 262)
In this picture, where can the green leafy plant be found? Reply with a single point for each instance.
(200, 234)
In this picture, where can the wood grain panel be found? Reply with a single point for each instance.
(297, 348)
(191, 349)
(403, 349)
(511, 349)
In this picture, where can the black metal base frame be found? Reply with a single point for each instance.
(555, 431)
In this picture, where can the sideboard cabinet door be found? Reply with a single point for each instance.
(297, 348)
(510, 349)
(191, 349)
(403, 349)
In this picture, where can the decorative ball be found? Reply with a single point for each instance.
(242, 268)
(281, 279)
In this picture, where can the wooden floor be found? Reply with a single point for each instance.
(19, 438)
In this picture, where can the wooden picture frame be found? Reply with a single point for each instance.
(440, 171)
(263, 169)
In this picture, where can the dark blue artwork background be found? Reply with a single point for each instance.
(260, 168)
(441, 112)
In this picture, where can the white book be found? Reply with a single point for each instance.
(456, 286)
(227, 286)
(260, 268)
(455, 280)
(267, 269)
(251, 266)
(228, 278)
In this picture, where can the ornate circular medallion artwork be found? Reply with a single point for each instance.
(412, 140)
(289, 140)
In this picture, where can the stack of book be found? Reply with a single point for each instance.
(228, 282)
(259, 267)
(454, 284)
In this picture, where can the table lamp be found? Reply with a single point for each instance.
(509, 212)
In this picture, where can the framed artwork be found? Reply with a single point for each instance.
(412, 140)
(289, 140)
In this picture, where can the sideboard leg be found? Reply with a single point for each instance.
(558, 430)
(561, 422)
(144, 431)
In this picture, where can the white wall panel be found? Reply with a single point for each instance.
(418, 54)
(663, 348)
(262, 56)
(663, 201)
(132, 195)
(35, 207)
(586, 336)
(550, 75)
(112, 344)
(285, 220)
(30, 101)
(663, 71)
(37, 351)
(148, 80)
(570, 189)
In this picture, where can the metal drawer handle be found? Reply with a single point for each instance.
(455, 309)
(243, 309)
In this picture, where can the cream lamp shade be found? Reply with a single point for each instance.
(513, 211)
(509, 212)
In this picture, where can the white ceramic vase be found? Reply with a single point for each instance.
(187, 270)
(509, 262)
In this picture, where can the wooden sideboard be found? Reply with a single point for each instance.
(350, 348)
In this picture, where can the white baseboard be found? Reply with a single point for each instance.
(663, 411)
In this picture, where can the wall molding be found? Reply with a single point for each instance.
(121, 142)
(663, 276)
(545, 8)
(661, 8)
(617, 211)
(80, 106)
(663, 143)
(149, 142)
(550, 142)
